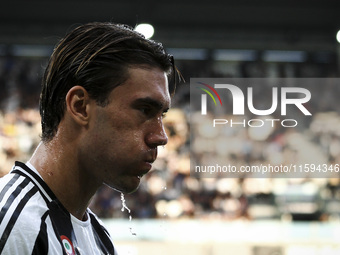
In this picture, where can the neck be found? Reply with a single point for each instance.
(59, 167)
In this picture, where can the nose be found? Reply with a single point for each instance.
(157, 136)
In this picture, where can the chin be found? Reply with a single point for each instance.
(125, 190)
(127, 187)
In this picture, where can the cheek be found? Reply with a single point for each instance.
(129, 142)
(117, 131)
(126, 132)
(120, 141)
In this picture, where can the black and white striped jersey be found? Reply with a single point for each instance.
(33, 221)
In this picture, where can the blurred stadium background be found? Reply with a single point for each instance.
(173, 213)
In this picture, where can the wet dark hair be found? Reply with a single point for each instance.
(96, 56)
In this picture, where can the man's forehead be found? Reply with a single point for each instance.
(145, 84)
(154, 79)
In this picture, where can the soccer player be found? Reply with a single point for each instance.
(104, 93)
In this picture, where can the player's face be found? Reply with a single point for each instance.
(123, 136)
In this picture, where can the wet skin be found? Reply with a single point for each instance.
(114, 144)
(121, 142)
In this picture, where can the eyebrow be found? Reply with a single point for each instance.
(153, 102)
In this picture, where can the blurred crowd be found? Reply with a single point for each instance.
(169, 191)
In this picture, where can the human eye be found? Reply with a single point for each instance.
(164, 114)
(146, 110)
(150, 108)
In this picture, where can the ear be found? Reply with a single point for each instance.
(78, 104)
